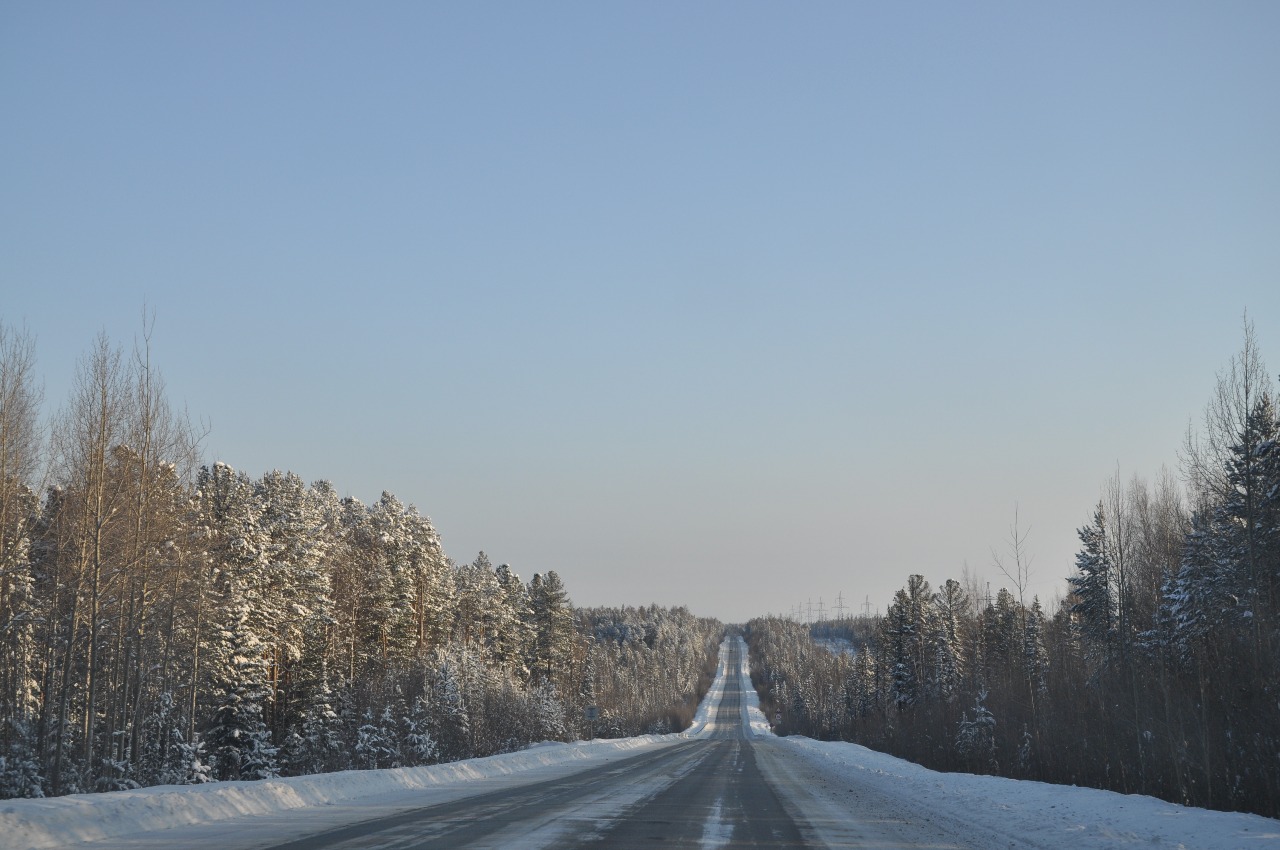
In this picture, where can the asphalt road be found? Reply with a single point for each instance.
(706, 793)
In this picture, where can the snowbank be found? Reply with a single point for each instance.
(60, 821)
(1022, 813)
(753, 719)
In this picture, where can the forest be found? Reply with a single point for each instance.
(165, 621)
(1155, 674)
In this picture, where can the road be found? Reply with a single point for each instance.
(707, 792)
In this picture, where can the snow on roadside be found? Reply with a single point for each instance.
(961, 809)
(753, 719)
(62, 821)
(964, 807)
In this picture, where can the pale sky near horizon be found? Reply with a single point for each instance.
(730, 305)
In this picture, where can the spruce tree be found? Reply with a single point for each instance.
(1092, 587)
(237, 737)
(553, 633)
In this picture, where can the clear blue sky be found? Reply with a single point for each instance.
(730, 305)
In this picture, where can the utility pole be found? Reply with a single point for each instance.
(840, 606)
(866, 607)
(821, 613)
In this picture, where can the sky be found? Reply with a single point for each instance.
(729, 305)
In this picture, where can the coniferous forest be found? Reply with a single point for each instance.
(164, 621)
(1155, 674)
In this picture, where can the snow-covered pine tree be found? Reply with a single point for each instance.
(512, 632)
(20, 773)
(1250, 518)
(1002, 633)
(951, 603)
(322, 729)
(553, 632)
(419, 746)
(20, 611)
(906, 626)
(433, 586)
(160, 761)
(296, 594)
(450, 724)
(477, 606)
(376, 744)
(20, 770)
(1092, 587)
(975, 739)
(1035, 658)
(863, 691)
(1194, 600)
(549, 713)
(903, 684)
(237, 736)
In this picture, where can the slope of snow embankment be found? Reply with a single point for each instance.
(60, 821)
(856, 793)
(63, 821)
(964, 808)
(753, 719)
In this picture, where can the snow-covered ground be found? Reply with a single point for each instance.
(848, 795)
(837, 646)
(954, 809)
(856, 797)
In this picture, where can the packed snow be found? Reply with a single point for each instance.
(850, 796)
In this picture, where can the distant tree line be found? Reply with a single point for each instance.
(1156, 674)
(163, 621)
